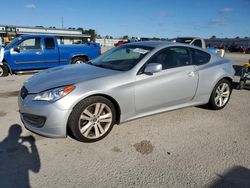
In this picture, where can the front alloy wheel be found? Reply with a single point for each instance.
(95, 120)
(92, 119)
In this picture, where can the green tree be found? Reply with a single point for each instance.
(125, 37)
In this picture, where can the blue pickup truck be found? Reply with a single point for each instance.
(36, 52)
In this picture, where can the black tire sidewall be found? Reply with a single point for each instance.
(74, 60)
(77, 111)
(5, 71)
(212, 97)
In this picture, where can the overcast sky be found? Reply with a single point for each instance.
(144, 18)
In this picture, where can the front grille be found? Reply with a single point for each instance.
(24, 92)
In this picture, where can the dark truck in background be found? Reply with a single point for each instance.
(36, 52)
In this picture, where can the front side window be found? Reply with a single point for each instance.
(122, 58)
(30, 44)
(171, 57)
(200, 57)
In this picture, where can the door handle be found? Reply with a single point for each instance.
(39, 53)
(191, 74)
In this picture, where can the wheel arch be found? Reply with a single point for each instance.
(114, 102)
(228, 78)
(219, 79)
(7, 65)
(111, 99)
(85, 56)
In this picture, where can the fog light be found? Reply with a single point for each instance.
(34, 120)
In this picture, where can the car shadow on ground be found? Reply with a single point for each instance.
(18, 155)
(237, 176)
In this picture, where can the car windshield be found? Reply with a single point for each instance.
(122, 58)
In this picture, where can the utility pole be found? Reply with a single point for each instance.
(62, 22)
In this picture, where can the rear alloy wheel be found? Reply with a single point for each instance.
(3, 71)
(79, 60)
(220, 95)
(92, 119)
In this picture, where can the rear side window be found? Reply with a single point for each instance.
(49, 43)
(200, 57)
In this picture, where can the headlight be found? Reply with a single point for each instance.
(54, 94)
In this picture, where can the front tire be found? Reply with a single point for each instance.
(3, 71)
(220, 95)
(79, 60)
(92, 119)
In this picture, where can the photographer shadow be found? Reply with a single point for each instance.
(17, 158)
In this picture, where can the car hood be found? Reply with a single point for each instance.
(65, 75)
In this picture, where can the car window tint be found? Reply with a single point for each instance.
(49, 43)
(200, 57)
(172, 57)
(30, 44)
(197, 43)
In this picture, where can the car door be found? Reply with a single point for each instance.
(51, 53)
(28, 54)
(174, 85)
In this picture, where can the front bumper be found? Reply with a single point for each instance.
(55, 119)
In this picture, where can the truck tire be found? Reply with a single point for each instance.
(79, 60)
(4, 71)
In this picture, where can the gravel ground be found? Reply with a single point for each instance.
(191, 147)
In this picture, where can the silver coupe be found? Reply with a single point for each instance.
(126, 82)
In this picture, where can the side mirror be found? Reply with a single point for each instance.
(152, 68)
(16, 49)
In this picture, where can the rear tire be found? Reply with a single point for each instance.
(220, 95)
(79, 60)
(4, 71)
(92, 119)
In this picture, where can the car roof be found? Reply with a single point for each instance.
(159, 44)
(162, 44)
(153, 44)
(37, 35)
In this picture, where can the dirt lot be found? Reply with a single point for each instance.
(191, 147)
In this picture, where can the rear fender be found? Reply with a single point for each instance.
(79, 55)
